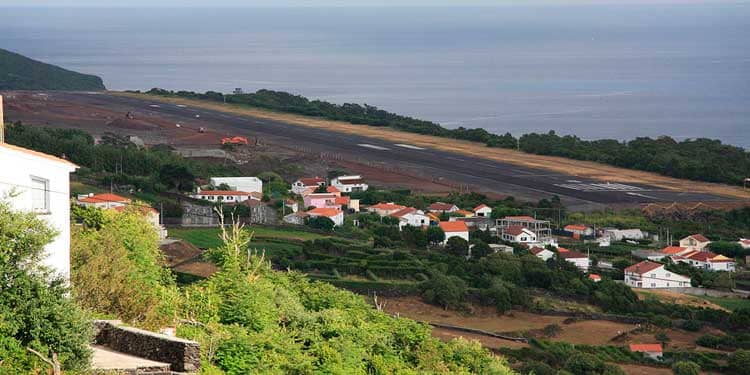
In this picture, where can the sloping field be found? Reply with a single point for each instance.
(571, 167)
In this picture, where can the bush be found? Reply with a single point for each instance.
(686, 368)
(584, 363)
(691, 325)
(739, 362)
(536, 368)
(661, 321)
(457, 246)
(445, 291)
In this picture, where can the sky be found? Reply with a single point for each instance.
(297, 3)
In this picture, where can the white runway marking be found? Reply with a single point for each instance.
(181, 105)
(409, 146)
(642, 195)
(599, 187)
(154, 106)
(367, 145)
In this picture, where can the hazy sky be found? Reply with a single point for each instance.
(286, 3)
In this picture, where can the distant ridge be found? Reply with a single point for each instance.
(18, 72)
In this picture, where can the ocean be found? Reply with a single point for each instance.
(595, 71)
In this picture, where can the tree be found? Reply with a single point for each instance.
(445, 291)
(35, 310)
(320, 222)
(480, 250)
(435, 235)
(686, 368)
(584, 363)
(457, 246)
(176, 177)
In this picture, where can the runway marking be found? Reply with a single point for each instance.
(154, 106)
(409, 146)
(452, 158)
(367, 145)
(599, 187)
(181, 106)
(642, 195)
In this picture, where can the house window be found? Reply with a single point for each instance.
(653, 285)
(230, 198)
(39, 195)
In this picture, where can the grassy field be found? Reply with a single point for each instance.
(209, 237)
(729, 303)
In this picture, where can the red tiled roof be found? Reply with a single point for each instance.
(572, 227)
(404, 211)
(514, 230)
(643, 267)
(561, 249)
(745, 241)
(594, 276)
(327, 212)
(699, 238)
(440, 206)
(224, 192)
(37, 154)
(481, 206)
(536, 250)
(104, 198)
(387, 206)
(342, 200)
(650, 348)
(333, 189)
(453, 226)
(673, 250)
(700, 256)
(312, 181)
(465, 212)
(571, 254)
(520, 218)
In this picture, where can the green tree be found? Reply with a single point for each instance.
(457, 246)
(443, 290)
(35, 311)
(480, 249)
(435, 235)
(686, 368)
(320, 222)
(177, 177)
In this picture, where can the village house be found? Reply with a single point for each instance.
(385, 209)
(623, 234)
(594, 277)
(303, 184)
(441, 207)
(463, 213)
(296, 218)
(579, 230)
(706, 260)
(482, 210)
(321, 200)
(580, 260)
(104, 200)
(648, 274)
(337, 216)
(39, 183)
(333, 190)
(744, 242)
(696, 242)
(411, 216)
(518, 234)
(225, 196)
(291, 204)
(540, 228)
(246, 184)
(500, 248)
(542, 253)
(475, 222)
(454, 229)
(349, 184)
(653, 351)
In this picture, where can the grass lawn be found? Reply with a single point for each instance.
(209, 237)
(729, 303)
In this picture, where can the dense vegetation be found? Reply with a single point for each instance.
(22, 73)
(695, 159)
(252, 319)
(35, 310)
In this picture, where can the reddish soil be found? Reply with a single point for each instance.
(592, 332)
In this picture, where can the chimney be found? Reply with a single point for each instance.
(2, 122)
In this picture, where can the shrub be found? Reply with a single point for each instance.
(686, 368)
(739, 362)
(446, 291)
(691, 325)
(457, 246)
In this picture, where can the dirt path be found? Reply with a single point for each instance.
(578, 168)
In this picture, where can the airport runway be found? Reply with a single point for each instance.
(505, 178)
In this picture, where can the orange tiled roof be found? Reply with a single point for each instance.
(670, 250)
(327, 212)
(104, 198)
(646, 348)
(453, 226)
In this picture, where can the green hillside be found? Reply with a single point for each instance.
(22, 73)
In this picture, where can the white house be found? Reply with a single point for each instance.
(482, 210)
(246, 184)
(337, 216)
(411, 216)
(744, 242)
(349, 184)
(519, 234)
(696, 242)
(648, 274)
(225, 196)
(579, 229)
(580, 260)
(707, 260)
(303, 184)
(104, 200)
(36, 182)
(385, 209)
(542, 253)
(454, 229)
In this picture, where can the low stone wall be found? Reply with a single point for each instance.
(182, 355)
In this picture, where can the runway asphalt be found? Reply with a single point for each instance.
(506, 178)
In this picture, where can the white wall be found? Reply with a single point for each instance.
(582, 263)
(246, 184)
(17, 168)
(658, 278)
(448, 235)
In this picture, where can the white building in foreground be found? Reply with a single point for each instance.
(36, 182)
(349, 184)
(652, 275)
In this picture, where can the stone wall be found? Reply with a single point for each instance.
(182, 355)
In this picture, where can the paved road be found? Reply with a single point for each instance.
(500, 177)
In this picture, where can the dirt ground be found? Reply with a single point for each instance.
(677, 298)
(555, 164)
(592, 332)
(644, 370)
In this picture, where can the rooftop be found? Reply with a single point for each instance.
(453, 226)
(104, 198)
(643, 267)
(37, 154)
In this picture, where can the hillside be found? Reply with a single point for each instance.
(18, 72)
